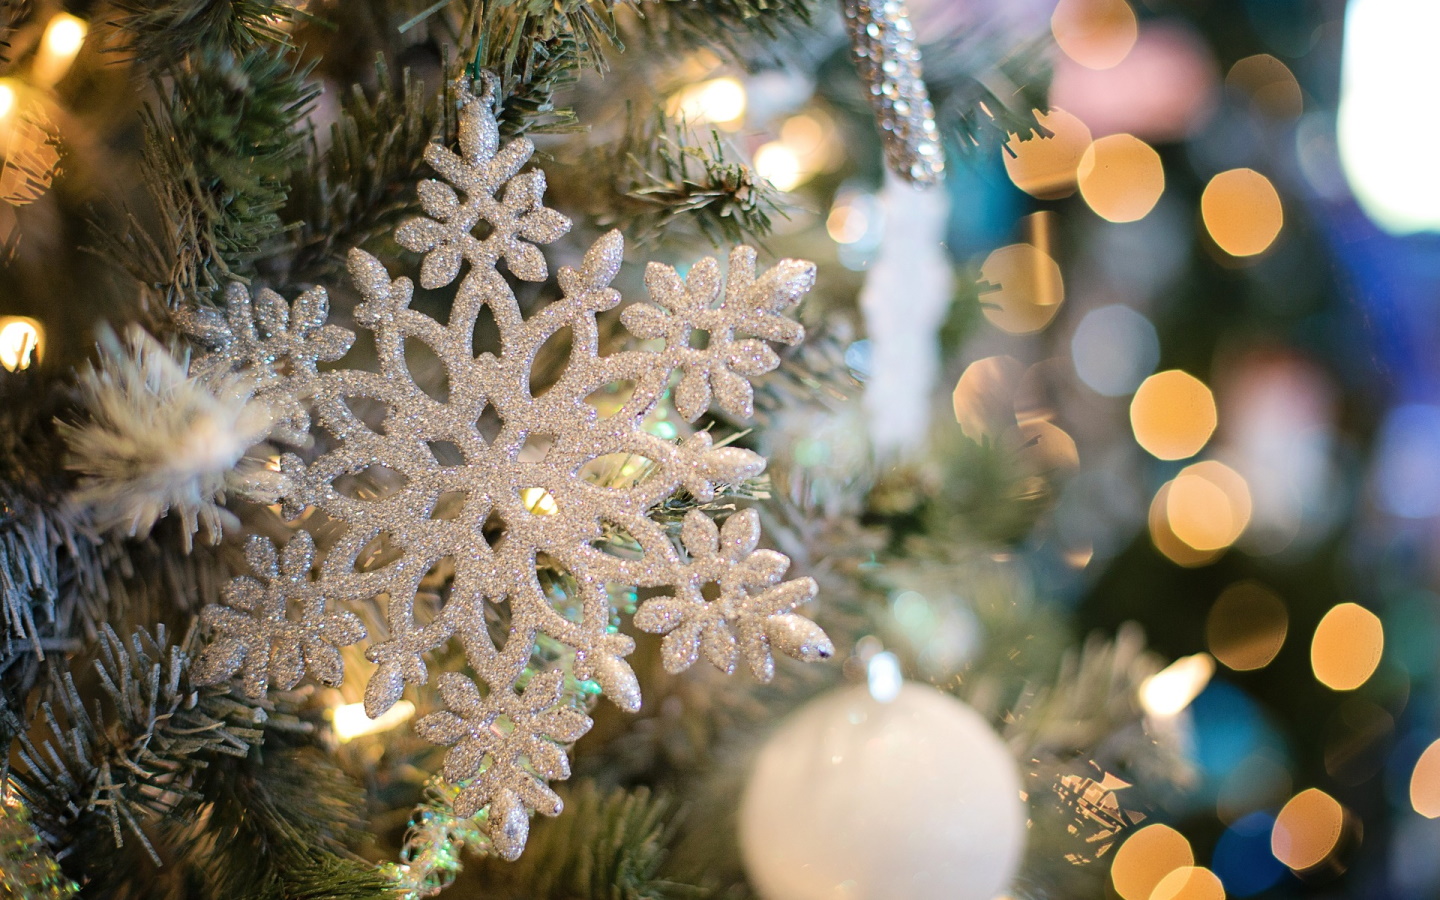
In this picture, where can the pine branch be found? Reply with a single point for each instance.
(363, 184)
(108, 772)
(279, 826)
(608, 844)
(161, 33)
(735, 26)
(986, 89)
(656, 179)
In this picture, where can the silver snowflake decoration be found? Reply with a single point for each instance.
(445, 485)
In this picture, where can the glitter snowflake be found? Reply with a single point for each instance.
(447, 485)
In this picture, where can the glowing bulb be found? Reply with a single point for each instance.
(7, 99)
(1388, 45)
(539, 501)
(1169, 691)
(780, 165)
(720, 100)
(58, 48)
(21, 342)
(882, 676)
(351, 722)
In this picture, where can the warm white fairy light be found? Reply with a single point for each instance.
(7, 99)
(1169, 691)
(780, 165)
(350, 721)
(883, 676)
(719, 100)
(21, 340)
(58, 48)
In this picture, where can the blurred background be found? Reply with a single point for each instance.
(1176, 354)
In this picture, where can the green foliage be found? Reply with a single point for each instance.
(363, 183)
(732, 25)
(123, 763)
(658, 180)
(161, 33)
(279, 827)
(610, 844)
(986, 89)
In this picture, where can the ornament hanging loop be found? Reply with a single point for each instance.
(887, 59)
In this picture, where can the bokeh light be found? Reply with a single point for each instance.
(1028, 288)
(1164, 90)
(22, 342)
(780, 165)
(1121, 178)
(1169, 691)
(1189, 883)
(1407, 481)
(350, 720)
(1046, 167)
(1388, 45)
(1146, 857)
(1242, 212)
(1247, 626)
(1173, 414)
(984, 397)
(64, 35)
(1347, 647)
(1425, 783)
(7, 98)
(1174, 549)
(1270, 83)
(1114, 348)
(1097, 34)
(1307, 830)
(721, 101)
(1209, 505)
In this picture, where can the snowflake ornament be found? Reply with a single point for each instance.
(444, 485)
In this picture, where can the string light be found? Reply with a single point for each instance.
(350, 721)
(1169, 691)
(721, 100)
(7, 99)
(22, 342)
(64, 35)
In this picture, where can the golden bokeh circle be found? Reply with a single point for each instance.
(1209, 505)
(1270, 83)
(1242, 212)
(1121, 177)
(1189, 883)
(1046, 167)
(1173, 414)
(1247, 626)
(1307, 830)
(1097, 34)
(1347, 647)
(1027, 288)
(1174, 549)
(1146, 857)
(1425, 783)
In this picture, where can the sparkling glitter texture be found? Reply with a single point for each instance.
(887, 58)
(508, 732)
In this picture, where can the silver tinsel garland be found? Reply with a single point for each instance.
(887, 58)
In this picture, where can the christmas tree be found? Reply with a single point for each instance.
(690, 448)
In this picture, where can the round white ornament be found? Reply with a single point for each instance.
(855, 799)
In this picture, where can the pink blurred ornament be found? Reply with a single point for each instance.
(1164, 90)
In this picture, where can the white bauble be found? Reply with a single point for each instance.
(854, 799)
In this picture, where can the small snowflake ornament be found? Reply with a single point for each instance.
(444, 485)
